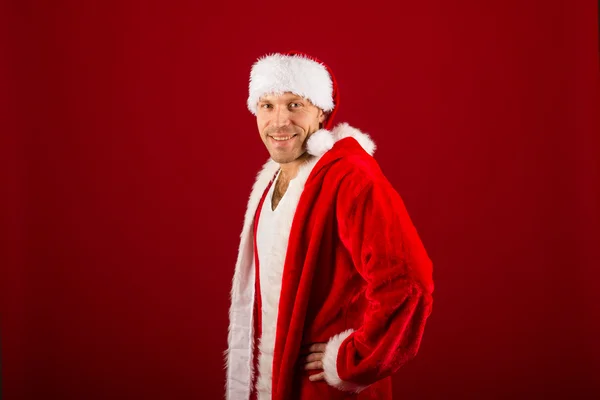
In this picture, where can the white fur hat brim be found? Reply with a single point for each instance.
(280, 73)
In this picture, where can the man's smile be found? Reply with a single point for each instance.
(282, 139)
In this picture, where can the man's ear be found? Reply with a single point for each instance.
(321, 116)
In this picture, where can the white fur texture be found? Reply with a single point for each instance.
(279, 73)
(343, 130)
(320, 142)
(238, 356)
(330, 364)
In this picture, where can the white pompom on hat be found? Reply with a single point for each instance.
(298, 73)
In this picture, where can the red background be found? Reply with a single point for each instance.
(128, 157)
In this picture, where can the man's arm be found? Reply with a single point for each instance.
(387, 252)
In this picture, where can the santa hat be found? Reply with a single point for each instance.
(295, 72)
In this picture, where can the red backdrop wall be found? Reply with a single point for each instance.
(128, 157)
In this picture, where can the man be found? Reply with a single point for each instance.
(332, 286)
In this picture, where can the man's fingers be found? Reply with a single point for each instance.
(312, 348)
(314, 365)
(314, 357)
(317, 377)
(315, 361)
(315, 347)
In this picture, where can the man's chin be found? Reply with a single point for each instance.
(284, 158)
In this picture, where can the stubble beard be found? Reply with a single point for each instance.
(284, 157)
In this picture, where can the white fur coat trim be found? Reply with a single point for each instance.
(238, 356)
(240, 338)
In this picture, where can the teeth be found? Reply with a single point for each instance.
(283, 138)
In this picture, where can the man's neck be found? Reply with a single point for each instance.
(290, 170)
(287, 173)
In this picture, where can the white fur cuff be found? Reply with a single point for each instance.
(330, 364)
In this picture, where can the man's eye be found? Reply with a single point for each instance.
(265, 106)
(295, 105)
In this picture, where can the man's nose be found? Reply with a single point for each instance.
(282, 116)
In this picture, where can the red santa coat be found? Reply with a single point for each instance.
(355, 275)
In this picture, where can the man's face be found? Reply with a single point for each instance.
(285, 122)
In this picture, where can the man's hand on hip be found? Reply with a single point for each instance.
(314, 359)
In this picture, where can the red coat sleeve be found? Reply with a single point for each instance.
(387, 252)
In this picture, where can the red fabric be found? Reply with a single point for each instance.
(354, 260)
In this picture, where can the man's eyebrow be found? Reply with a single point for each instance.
(289, 99)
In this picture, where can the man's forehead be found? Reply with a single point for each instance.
(281, 96)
